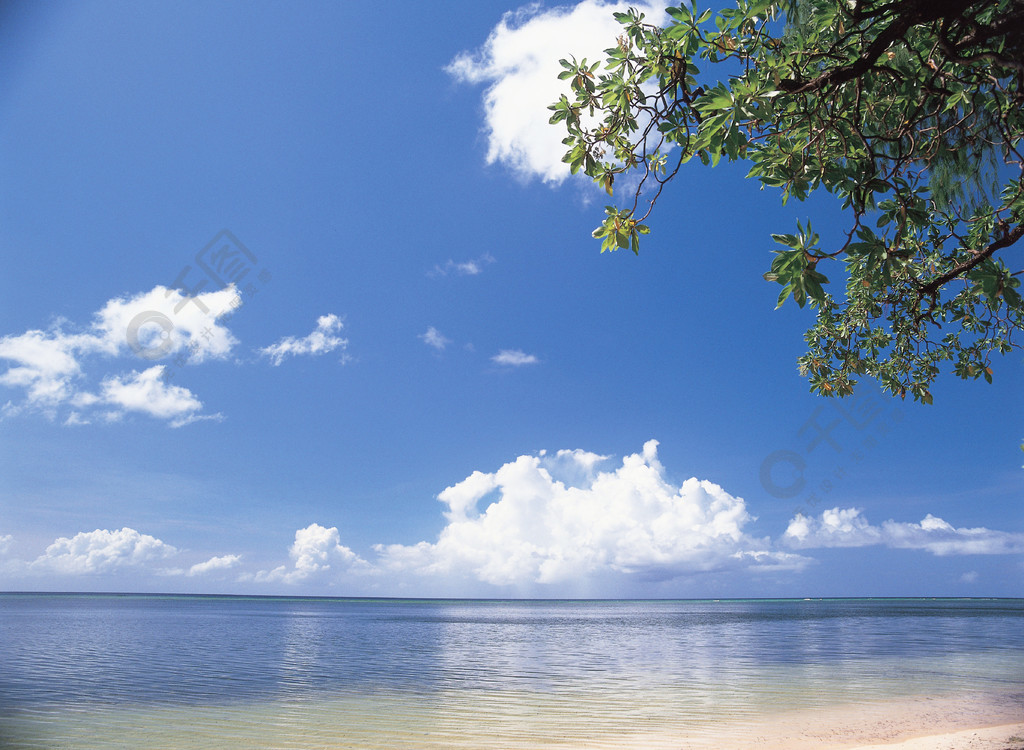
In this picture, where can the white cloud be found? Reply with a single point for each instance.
(555, 519)
(846, 527)
(125, 552)
(472, 267)
(45, 363)
(5, 543)
(165, 321)
(215, 565)
(514, 358)
(102, 551)
(434, 338)
(840, 527)
(48, 365)
(519, 64)
(315, 549)
(147, 393)
(320, 341)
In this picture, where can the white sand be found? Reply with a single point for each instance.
(966, 722)
(1008, 737)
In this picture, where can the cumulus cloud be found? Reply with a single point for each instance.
(847, 527)
(551, 519)
(434, 338)
(147, 393)
(519, 65)
(102, 551)
(44, 363)
(48, 365)
(165, 321)
(126, 553)
(472, 267)
(215, 565)
(320, 341)
(314, 551)
(514, 358)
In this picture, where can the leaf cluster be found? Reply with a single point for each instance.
(909, 112)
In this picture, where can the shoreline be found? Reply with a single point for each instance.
(975, 721)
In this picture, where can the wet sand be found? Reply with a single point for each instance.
(967, 721)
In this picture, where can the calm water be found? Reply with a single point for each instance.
(82, 671)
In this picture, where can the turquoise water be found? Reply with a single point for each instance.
(197, 671)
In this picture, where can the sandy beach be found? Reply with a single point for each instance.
(964, 722)
(1007, 737)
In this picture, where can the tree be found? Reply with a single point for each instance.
(910, 112)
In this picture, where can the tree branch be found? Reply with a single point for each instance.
(910, 14)
(932, 287)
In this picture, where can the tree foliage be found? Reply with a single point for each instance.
(910, 112)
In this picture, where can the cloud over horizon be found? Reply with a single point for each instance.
(111, 553)
(315, 550)
(214, 565)
(539, 523)
(102, 551)
(553, 519)
(846, 527)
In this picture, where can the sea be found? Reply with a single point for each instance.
(168, 671)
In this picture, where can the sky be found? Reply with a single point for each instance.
(299, 299)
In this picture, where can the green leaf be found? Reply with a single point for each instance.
(918, 148)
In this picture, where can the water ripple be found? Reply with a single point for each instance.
(106, 671)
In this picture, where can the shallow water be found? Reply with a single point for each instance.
(107, 671)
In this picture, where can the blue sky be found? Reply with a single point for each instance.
(298, 299)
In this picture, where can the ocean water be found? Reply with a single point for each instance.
(140, 671)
